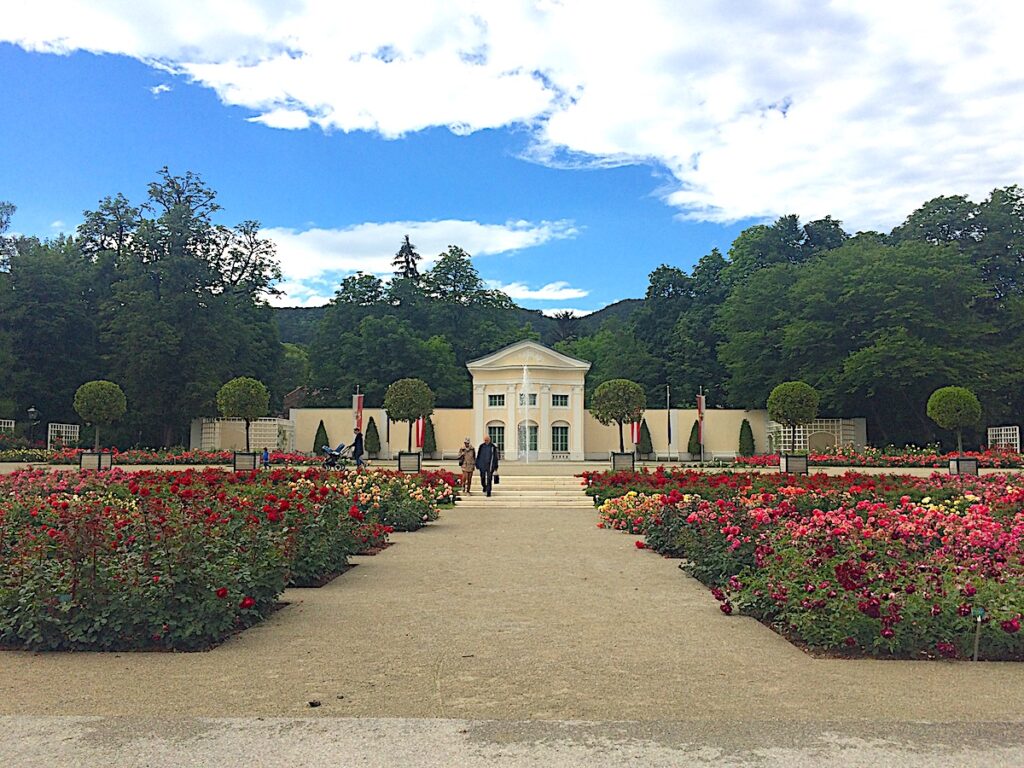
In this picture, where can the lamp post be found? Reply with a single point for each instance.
(33, 419)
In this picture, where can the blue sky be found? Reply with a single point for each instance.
(570, 150)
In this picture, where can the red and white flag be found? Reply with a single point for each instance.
(421, 431)
(357, 411)
(634, 431)
(700, 419)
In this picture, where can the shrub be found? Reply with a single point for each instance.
(793, 403)
(693, 444)
(243, 398)
(746, 439)
(954, 408)
(321, 439)
(646, 446)
(372, 439)
(429, 441)
(100, 403)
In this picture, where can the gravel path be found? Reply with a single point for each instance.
(512, 615)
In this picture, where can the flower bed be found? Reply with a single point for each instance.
(874, 457)
(881, 564)
(179, 560)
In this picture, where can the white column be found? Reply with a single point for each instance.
(544, 424)
(479, 403)
(511, 434)
(576, 430)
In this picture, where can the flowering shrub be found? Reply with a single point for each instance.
(908, 457)
(887, 565)
(179, 560)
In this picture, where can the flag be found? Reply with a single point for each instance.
(421, 431)
(700, 419)
(634, 431)
(357, 411)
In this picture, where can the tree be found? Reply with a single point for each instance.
(321, 439)
(100, 403)
(954, 408)
(372, 440)
(618, 400)
(406, 261)
(568, 327)
(793, 403)
(693, 444)
(746, 439)
(243, 398)
(408, 400)
(6, 246)
(646, 447)
(429, 440)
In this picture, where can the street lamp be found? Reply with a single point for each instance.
(33, 419)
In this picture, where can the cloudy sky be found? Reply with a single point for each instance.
(570, 145)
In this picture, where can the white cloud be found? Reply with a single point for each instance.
(557, 291)
(314, 260)
(861, 110)
(156, 90)
(57, 225)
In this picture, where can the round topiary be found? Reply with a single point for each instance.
(793, 403)
(100, 403)
(954, 408)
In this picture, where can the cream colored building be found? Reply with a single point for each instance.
(530, 400)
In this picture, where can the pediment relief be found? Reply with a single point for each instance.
(530, 354)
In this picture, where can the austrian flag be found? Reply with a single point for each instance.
(421, 431)
(634, 431)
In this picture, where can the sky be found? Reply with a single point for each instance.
(571, 146)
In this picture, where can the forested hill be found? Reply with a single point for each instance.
(298, 325)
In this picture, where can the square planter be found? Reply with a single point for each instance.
(409, 461)
(793, 464)
(242, 461)
(623, 462)
(963, 465)
(97, 461)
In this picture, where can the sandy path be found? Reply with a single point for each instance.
(510, 615)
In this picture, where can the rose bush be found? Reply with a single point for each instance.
(883, 564)
(179, 560)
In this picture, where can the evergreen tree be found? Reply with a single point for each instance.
(746, 439)
(321, 438)
(371, 442)
(406, 261)
(429, 440)
(646, 446)
(693, 444)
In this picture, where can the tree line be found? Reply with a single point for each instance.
(159, 298)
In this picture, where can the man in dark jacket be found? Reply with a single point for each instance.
(357, 448)
(487, 463)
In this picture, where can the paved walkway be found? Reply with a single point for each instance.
(514, 615)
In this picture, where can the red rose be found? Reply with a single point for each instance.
(641, 545)
(1011, 626)
(247, 602)
(222, 592)
(726, 608)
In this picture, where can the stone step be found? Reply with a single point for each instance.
(493, 503)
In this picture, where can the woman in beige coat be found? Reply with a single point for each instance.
(467, 462)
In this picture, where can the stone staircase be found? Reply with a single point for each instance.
(530, 491)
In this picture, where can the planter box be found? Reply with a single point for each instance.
(963, 465)
(242, 461)
(793, 464)
(623, 462)
(97, 461)
(409, 462)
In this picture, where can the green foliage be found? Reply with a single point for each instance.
(244, 398)
(100, 403)
(793, 403)
(693, 443)
(954, 408)
(406, 261)
(646, 447)
(747, 447)
(371, 441)
(429, 440)
(618, 400)
(408, 400)
(321, 439)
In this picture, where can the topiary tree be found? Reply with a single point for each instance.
(371, 441)
(746, 439)
(618, 400)
(954, 408)
(321, 438)
(100, 403)
(408, 400)
(646, 446)
(243, 398)
(693, 444)
(429, 440)
(793, 403)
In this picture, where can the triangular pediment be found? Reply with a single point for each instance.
(530, 354)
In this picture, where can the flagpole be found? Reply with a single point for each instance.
(668, 415)
(704, 406)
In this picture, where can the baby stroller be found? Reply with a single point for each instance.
(336, 458)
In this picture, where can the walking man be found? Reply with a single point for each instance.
(487, 463)
(357, 448)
